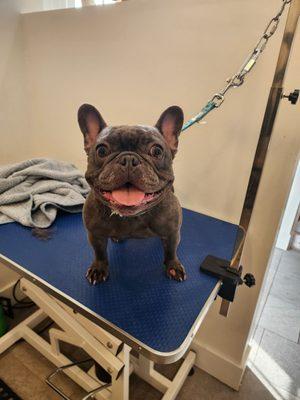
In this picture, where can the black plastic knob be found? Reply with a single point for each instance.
(293, 96)
(249, 280)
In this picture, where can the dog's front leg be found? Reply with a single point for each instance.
(174, 268)
(98, 271)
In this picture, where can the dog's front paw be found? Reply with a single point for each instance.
(175, 270)
(97, 273)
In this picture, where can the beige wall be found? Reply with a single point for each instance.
(13, 120)
(134, 59)
(228, 337)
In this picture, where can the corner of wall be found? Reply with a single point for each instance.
(220, 366)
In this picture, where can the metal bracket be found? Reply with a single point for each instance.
(231, 277)
(61, 393)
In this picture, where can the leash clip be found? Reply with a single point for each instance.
(218, 99)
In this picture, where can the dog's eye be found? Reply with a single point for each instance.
(102, 150)
(156, 151)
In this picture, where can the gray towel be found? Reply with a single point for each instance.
(32, 191)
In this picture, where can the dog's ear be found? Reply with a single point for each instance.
(91, 124)
(169, 124)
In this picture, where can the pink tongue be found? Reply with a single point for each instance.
(128, 196)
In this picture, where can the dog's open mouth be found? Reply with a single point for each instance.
(128, 199)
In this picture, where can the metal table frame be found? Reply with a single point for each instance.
(105, 343)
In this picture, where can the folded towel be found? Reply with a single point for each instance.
(32, 191)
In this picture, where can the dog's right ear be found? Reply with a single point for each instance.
(91, 124)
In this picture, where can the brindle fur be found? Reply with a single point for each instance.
(163, 217)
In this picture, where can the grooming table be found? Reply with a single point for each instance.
(137, 308)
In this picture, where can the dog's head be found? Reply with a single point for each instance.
(130, 167)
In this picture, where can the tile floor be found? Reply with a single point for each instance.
(273, 370)
(275, 355)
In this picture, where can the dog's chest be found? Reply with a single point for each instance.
(124, 227)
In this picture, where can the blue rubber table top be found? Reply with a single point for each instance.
(138, 297)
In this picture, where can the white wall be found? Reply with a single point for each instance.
(284, 234)
(134, 59)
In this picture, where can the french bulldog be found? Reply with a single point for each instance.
(131, 178)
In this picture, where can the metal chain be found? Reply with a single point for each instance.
(238, 79)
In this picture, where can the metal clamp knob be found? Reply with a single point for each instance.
(292, 97)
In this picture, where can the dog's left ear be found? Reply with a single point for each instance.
(91, 124)
(169, 124)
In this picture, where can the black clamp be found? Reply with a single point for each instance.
(231, 277)
(292, 97)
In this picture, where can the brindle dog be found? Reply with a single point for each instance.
(131, 177)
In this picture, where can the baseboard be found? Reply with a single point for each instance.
(217, 365)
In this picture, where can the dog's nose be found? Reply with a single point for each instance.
(129, 160)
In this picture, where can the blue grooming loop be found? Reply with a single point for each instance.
(138, 304)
